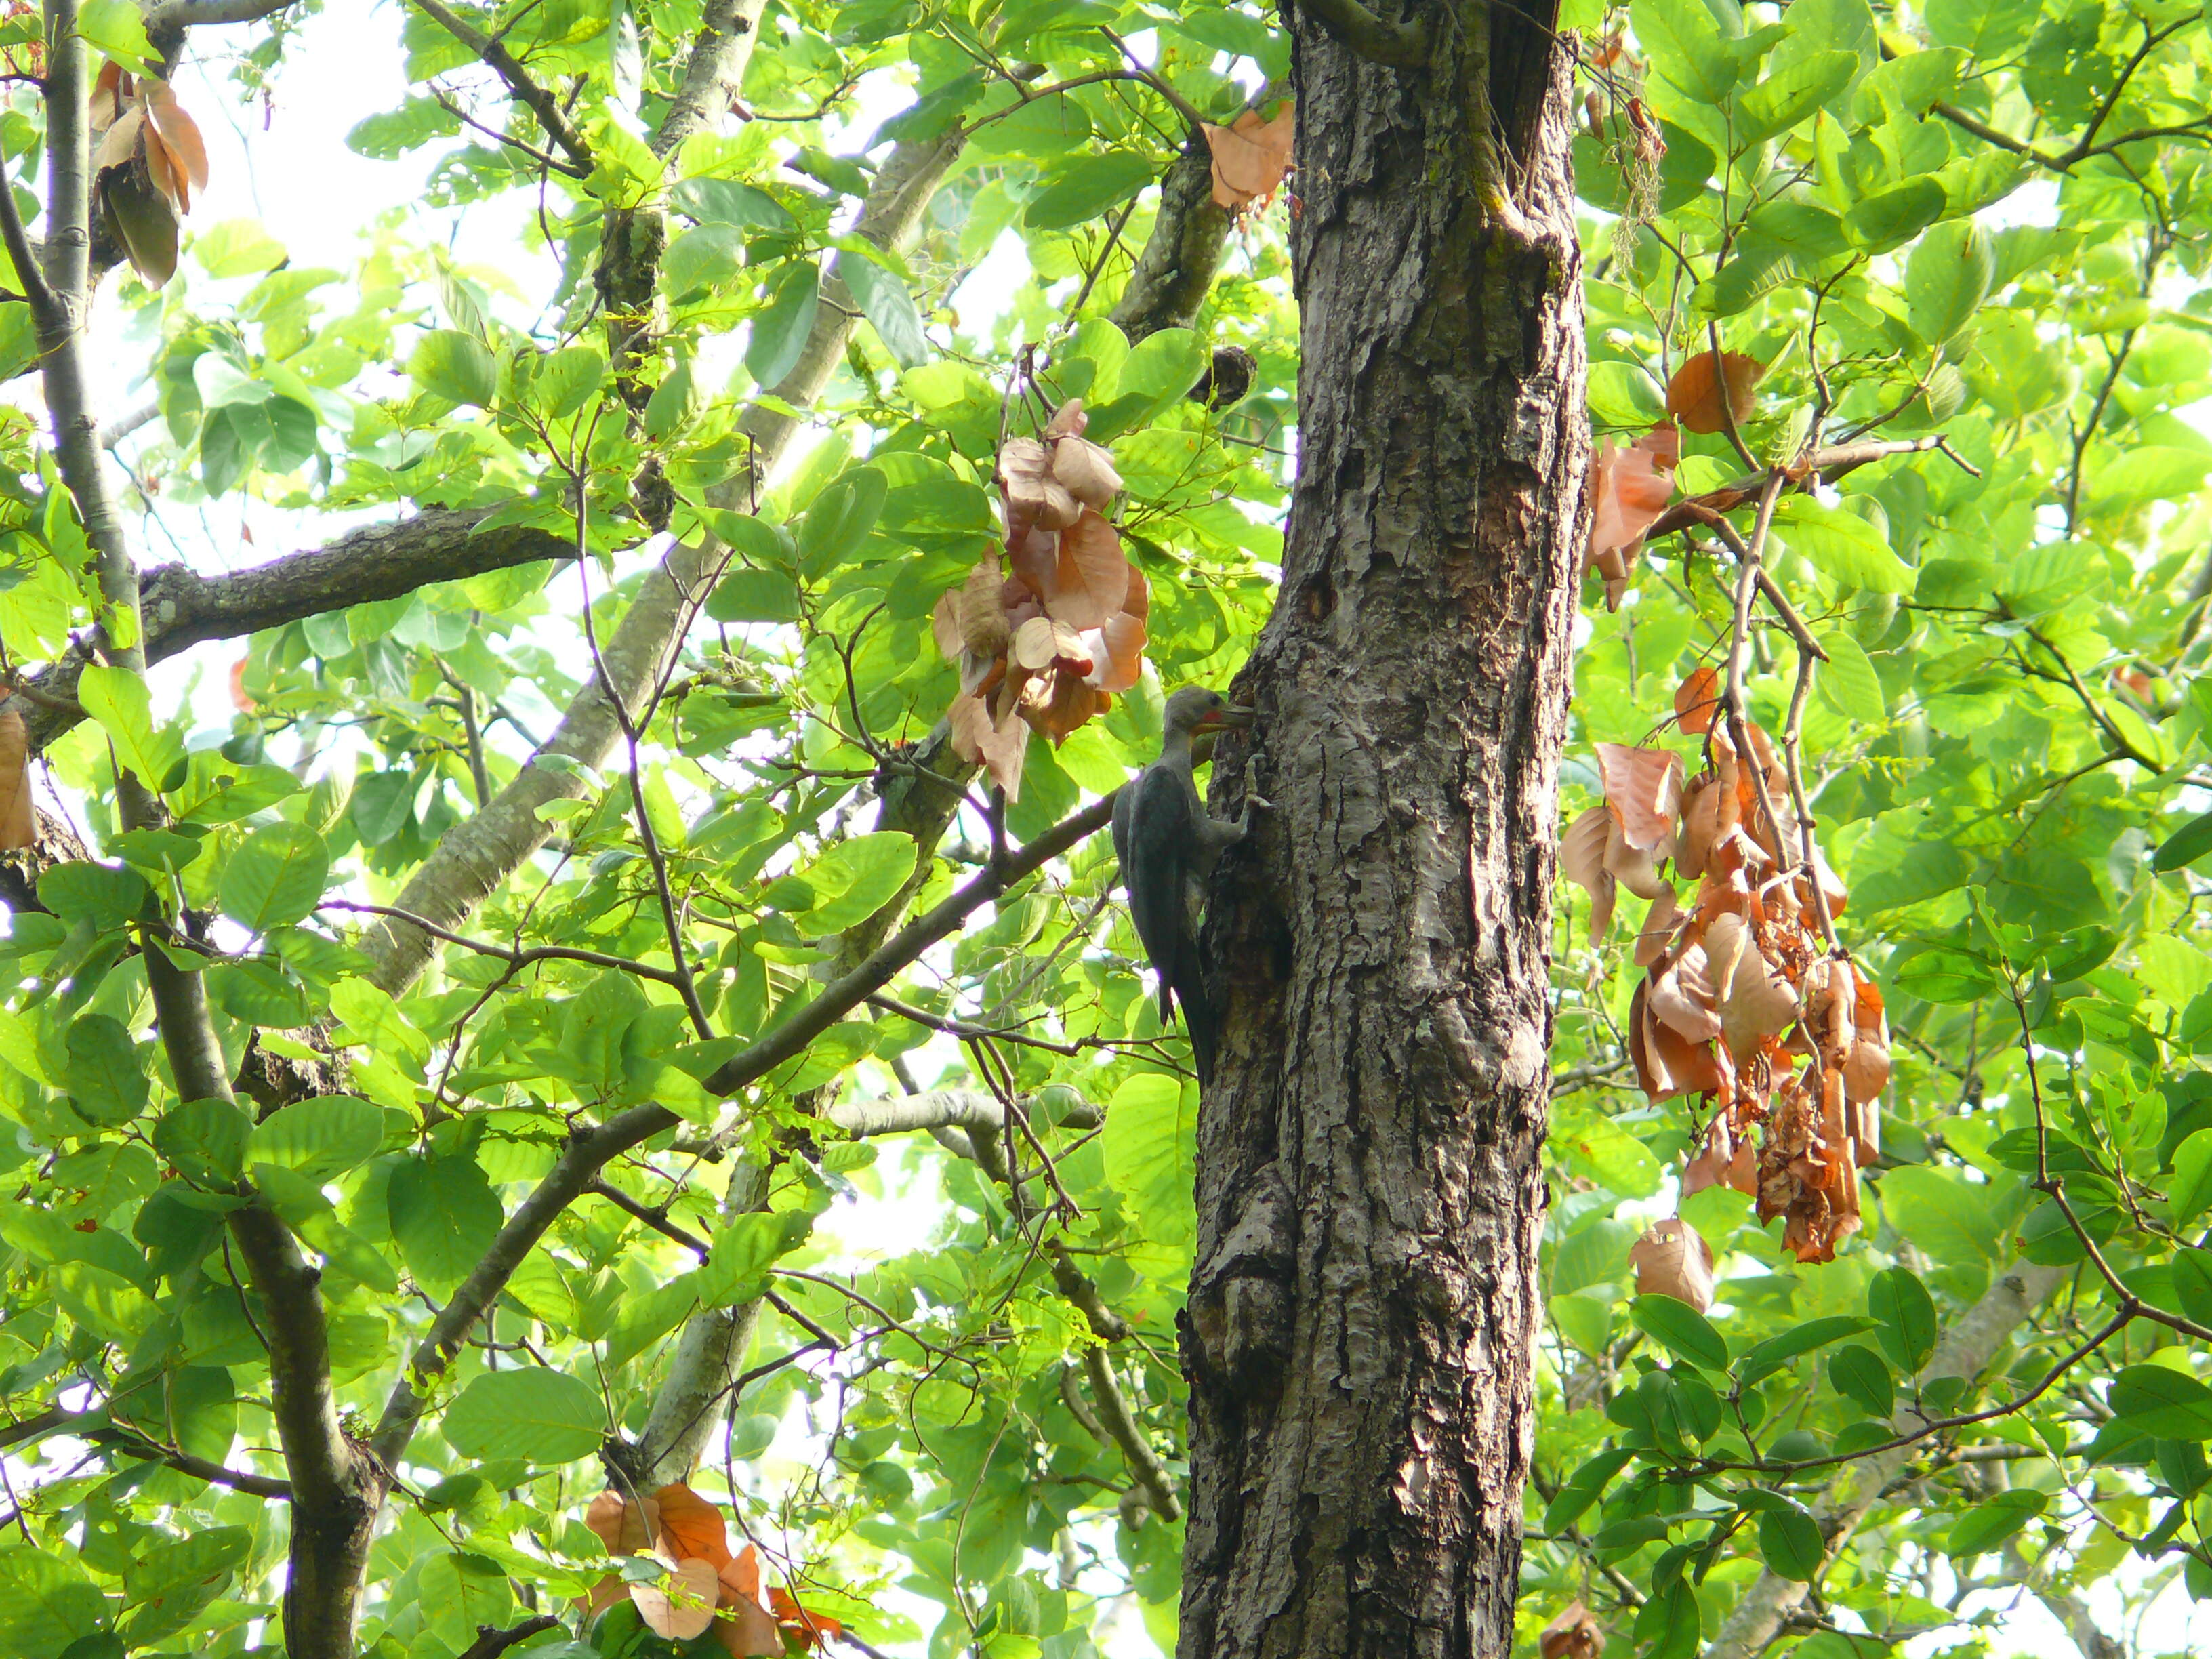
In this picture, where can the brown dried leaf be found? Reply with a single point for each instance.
(1067, 421)
(811, 1627)
(179, 132)
(1582, 860)
(1672, 1259)
(1693, 396)
(1760, 1006)
(1682, 998)
(1085, 471)
(120, 142)
(1035, 644)
(1092, 578)
(1034, 499)
(682, 1605)
(690, 1527)
(1644, 788)
(19, 817)
(111, 94)
(999, 745)
(1251, 157)
(1658, 932)
(982, 611)
(748, 1630)
(1058, 702)
(1629, 489)
(1697, 700)
(1575, 1634)
(1636, 869)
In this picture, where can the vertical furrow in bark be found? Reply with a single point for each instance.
(1364, 1310)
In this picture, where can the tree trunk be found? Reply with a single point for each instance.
(1360, 1332)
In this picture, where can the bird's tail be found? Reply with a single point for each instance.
(1186, 984)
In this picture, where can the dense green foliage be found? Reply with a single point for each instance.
(1976, 219)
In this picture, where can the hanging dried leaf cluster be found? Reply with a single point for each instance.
(1250, 158)
(151, 159)
(1046, 635)
(1744, 1004)
(706, 1588)
(1575, 1634)
(19, 817)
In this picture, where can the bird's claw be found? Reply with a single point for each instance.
(1257, 803)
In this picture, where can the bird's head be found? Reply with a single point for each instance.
(1196, 708)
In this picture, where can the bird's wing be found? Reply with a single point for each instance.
(1161, 838)
(1125, 804)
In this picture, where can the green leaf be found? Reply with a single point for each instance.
(1685, 46)
(2192, 1284)
(530, 1414)
(319, 1138)
(1989, 1523)
(1843, 546)
(444, 1216)
(2184, 846)
(2154, 1399)
(2189, 1192)
(1791, 95)
(838, 524)
(119, 700)
(1947, 277)
(105, 1082)
(1891, 218)
(1904, 1317)
(884, 301)
(565, 381)
(854, 880)
(1849, 681)
(204, 1140)
(1681, 1330)
(47, 1603)
(118, 27)
(1789, 1538)
(1584, 1487)
(730, 201)
(461, 1593)
(454, 365)
(1164, 365)
(1762, 1359)
(1861, 1376)
(780, 329)
(1087, 188)
(274, 877)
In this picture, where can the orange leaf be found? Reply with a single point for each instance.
(811, 1627)
(19, 819)
(999, 745)
(178, 131)
(1251, 157)
(1693, 396)
(620, 1526)
(1697, 700)
(690, 1527)
(1644, 788)
(741, 1578)
(682, 1605)
(1629, 489)
(240, 697)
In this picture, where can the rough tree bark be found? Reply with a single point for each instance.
(1363, 1313)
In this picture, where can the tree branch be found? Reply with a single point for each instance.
(490, 1643)
(505, 64)
(181, 608)
(180, 14)
(715, 72)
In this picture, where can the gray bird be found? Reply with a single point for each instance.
(1168, 846)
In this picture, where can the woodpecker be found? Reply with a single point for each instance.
(1168, 846)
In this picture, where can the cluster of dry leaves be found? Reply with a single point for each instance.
(150, 161)
(1630, 486)
(19, 815)
(1250, 158)
(1743, 1003)
(1046, 635)
(707, 1587)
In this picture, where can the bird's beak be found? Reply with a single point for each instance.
(1230, 715)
